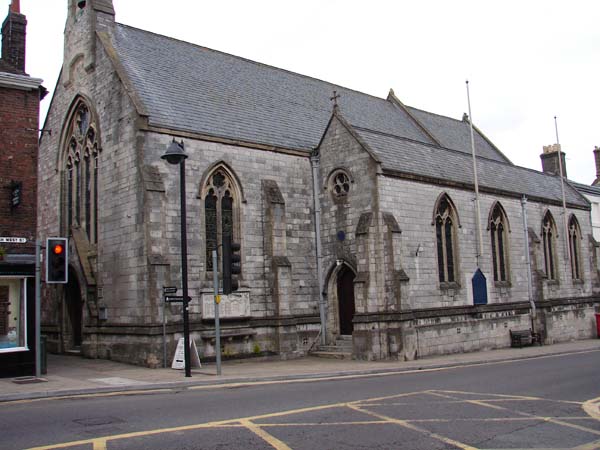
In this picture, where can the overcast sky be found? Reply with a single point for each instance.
(526, 61)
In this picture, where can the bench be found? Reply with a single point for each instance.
(519, 338)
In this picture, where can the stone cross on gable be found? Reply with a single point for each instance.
(334, 99)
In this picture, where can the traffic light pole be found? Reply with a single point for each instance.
(217, 321)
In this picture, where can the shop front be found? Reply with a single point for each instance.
(17, 316)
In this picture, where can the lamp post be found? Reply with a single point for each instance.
(175, 154)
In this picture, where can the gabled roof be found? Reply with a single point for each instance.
(190, 88)
(402, 156)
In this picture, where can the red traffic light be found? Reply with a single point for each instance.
(58, 249)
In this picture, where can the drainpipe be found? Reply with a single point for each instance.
(314, 162)
(528, 259)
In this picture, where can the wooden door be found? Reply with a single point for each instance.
(345, 292)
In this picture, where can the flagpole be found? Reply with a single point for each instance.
(562, 188)
(480, 238)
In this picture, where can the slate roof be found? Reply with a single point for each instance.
(455, 134)
(586, 189)
(410, 157)
(188, 87)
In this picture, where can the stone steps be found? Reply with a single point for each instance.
(341, 349)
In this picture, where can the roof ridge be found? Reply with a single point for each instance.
(258, 63)
(435, 114)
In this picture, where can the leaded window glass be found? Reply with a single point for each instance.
(219, 211)
(498, 234)
(445, 237)
(81, 173)
(549, 243)
(575, 248)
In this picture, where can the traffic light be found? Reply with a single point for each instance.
(57, 259)
(231, 265)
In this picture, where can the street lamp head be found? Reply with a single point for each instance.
(175, 153)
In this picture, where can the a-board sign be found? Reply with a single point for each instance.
(179, 358)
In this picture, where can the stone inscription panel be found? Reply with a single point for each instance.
(232, 306)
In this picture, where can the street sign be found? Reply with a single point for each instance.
(169, 289)
(175, 298)
(12, 240)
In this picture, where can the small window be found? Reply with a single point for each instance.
(340, 184)
(445, 232)
(575, 248)
(549, 243)
(498, 233)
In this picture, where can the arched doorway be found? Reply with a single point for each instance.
(345, 295)
(74, 306)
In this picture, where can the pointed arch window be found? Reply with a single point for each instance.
(549, 242)
(220, 211)
(445, 230)
(498, 227)
(575, 248)
(81, 173)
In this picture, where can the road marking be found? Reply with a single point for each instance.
(592, 407)
(591, 446)
(544, 419)
(100, 443)
(270, 439)
(410, 426)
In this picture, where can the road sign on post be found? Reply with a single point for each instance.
(57, 260)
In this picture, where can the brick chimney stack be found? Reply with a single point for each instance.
(549, 159)
(13, 37)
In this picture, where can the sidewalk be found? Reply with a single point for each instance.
(71, 375)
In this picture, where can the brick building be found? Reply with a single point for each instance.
(19, 118)
(355, 214)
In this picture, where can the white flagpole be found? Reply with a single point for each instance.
(562, 188)
(480, 238)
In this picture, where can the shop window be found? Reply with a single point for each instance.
(12, 315)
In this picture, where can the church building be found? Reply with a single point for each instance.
(357, 216)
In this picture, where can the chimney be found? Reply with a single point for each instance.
(549, 159)
(597, 159)
(13, 37)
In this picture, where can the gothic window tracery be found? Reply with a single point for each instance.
(81, 173)
(499, 239)
(339, 184)
(549, 243)
(575, 248)
(445, 223)
(220, 203)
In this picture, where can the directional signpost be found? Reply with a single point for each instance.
(175, 298)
